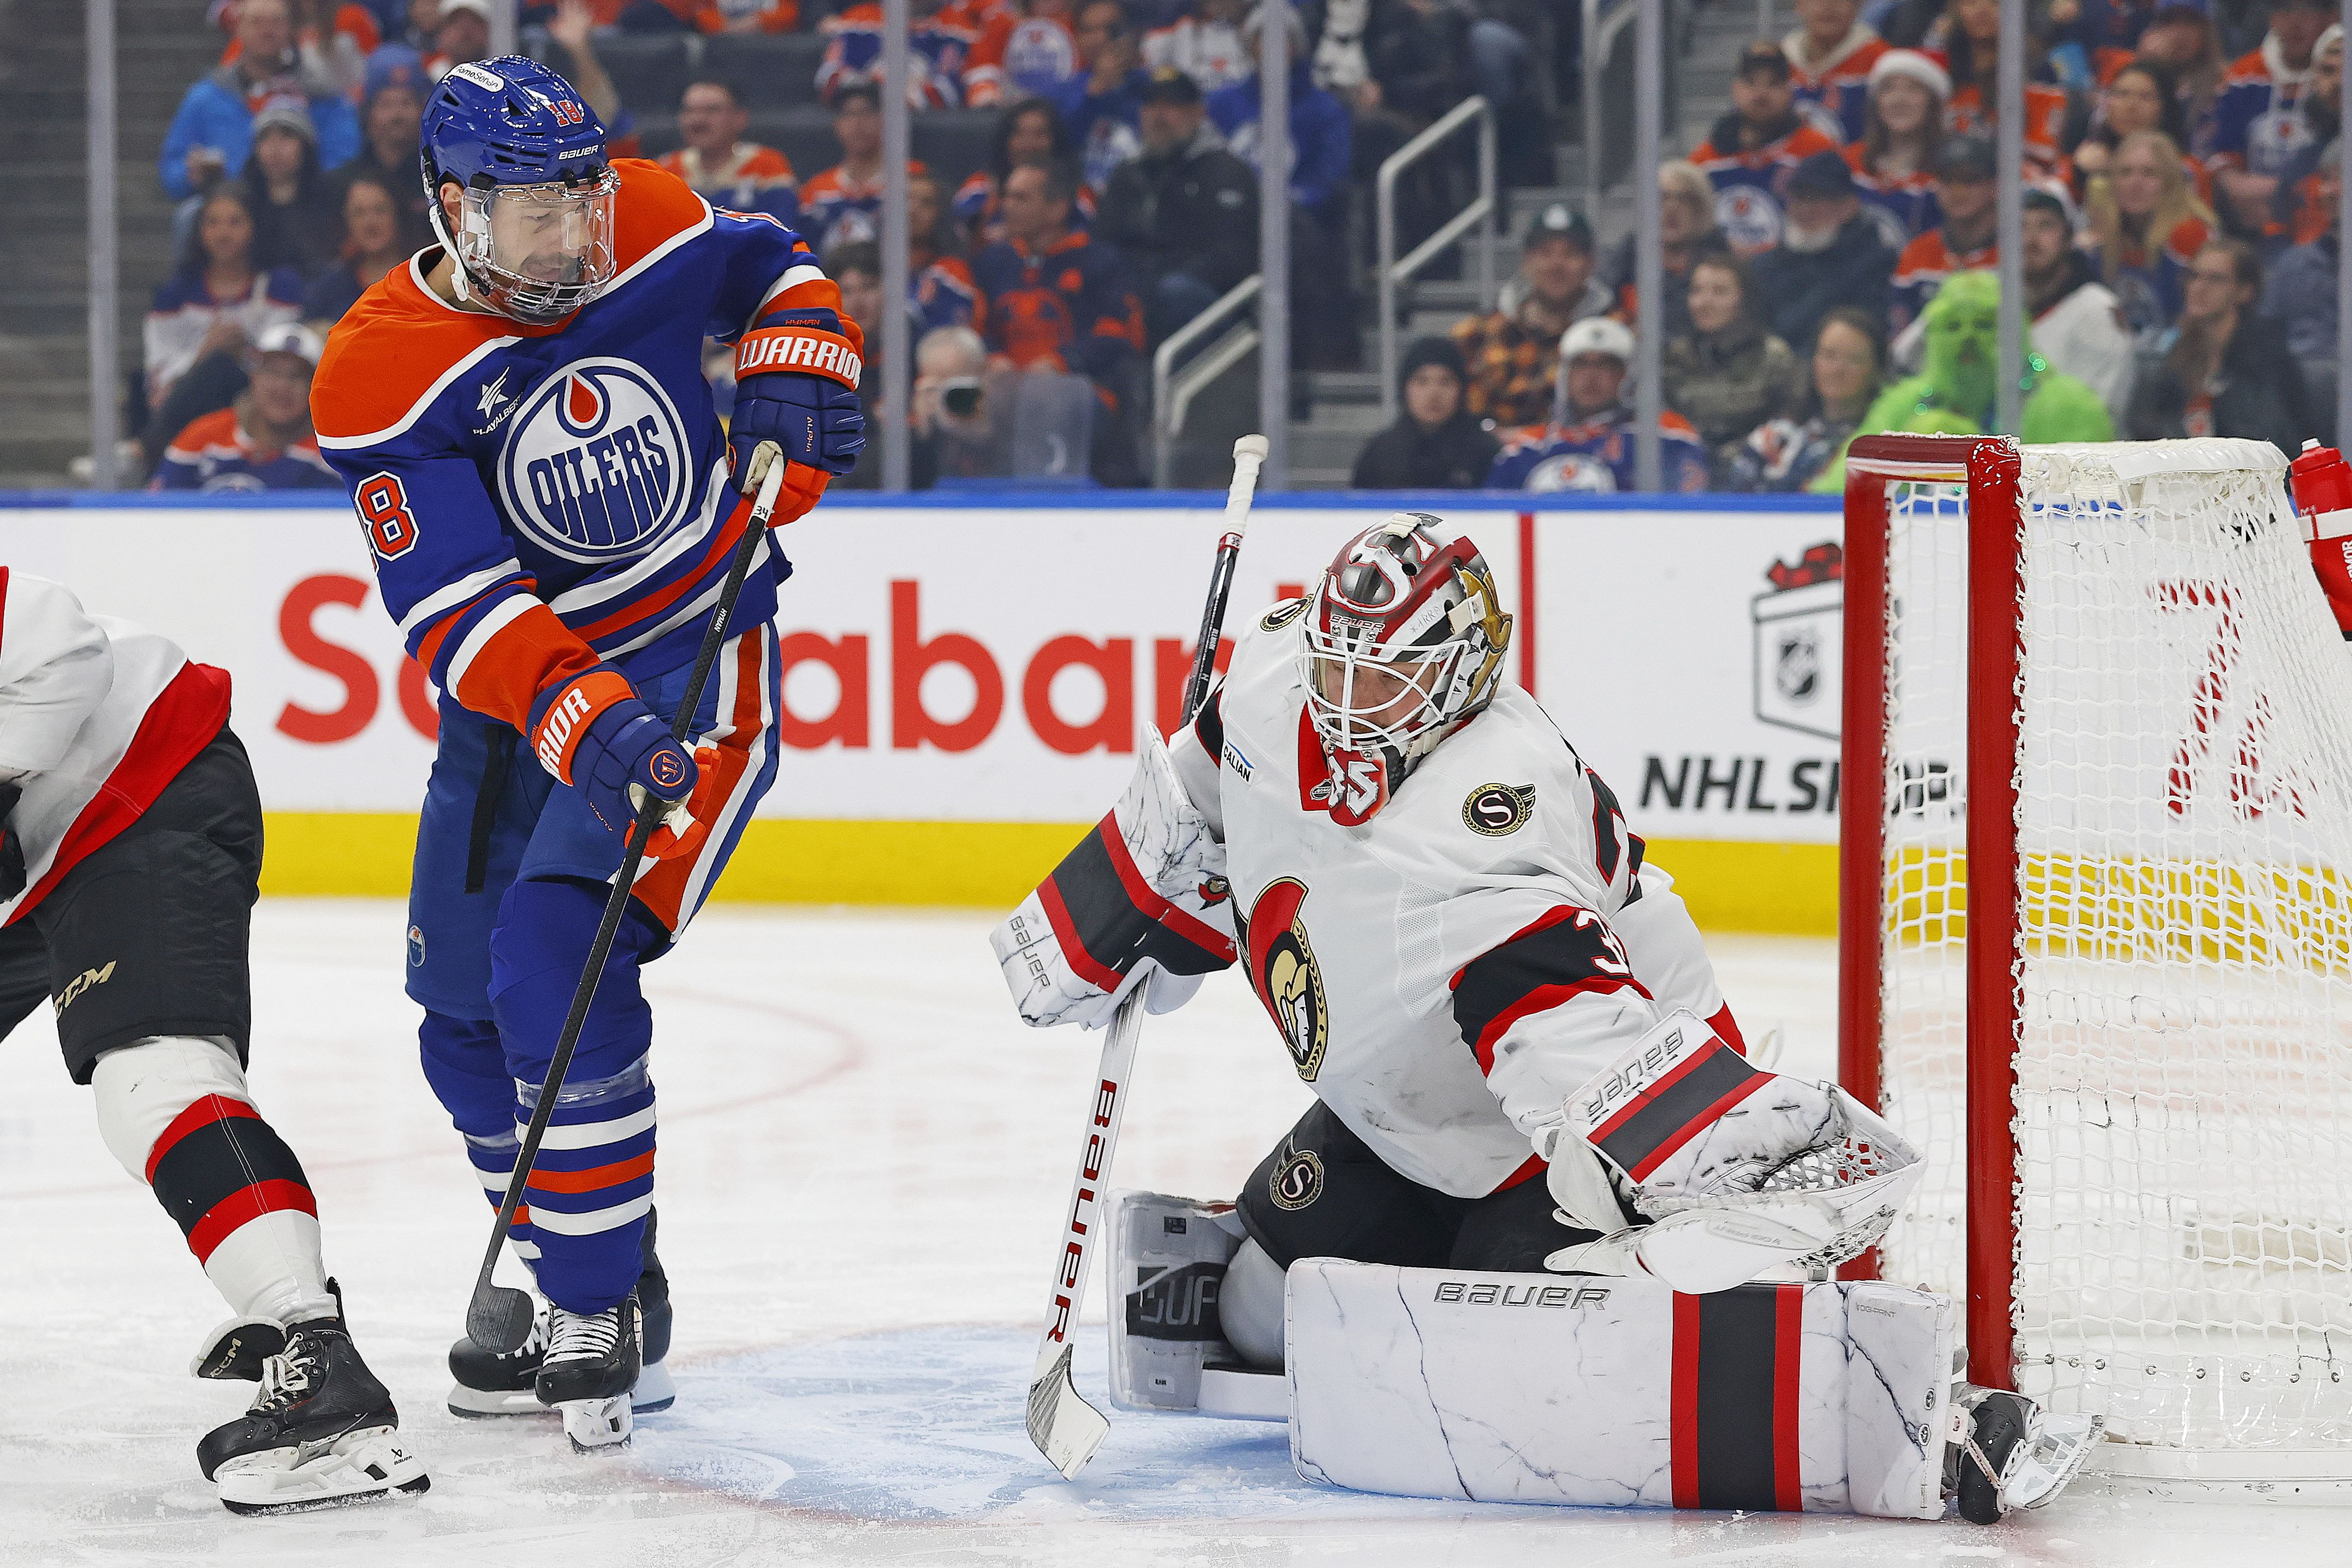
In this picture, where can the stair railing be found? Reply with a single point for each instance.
(1172, 391)
(1483, 210)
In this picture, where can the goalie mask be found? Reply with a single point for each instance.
(533, 235)
(1403, 640)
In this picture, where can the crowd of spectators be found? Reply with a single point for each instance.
(1117, 199)
(2180, 253)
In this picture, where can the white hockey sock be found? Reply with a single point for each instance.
(175, 1111)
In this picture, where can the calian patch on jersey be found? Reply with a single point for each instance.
(596, 462)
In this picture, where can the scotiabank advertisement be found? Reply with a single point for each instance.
(990, 662)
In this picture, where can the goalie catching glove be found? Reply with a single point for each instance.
(594, 735)
(1738, 1171)
(1142, 895)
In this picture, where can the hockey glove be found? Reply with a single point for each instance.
(594, 735)
(796, 403)
(11, 852)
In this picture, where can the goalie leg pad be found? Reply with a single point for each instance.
(1611, 1392)
(1167, 1258)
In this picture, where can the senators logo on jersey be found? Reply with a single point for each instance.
(1284, 974)
(594, 463)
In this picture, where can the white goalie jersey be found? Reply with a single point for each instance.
(1446, 972)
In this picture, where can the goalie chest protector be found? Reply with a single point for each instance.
(1353, 936)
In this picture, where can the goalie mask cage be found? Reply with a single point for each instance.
(2096, 938)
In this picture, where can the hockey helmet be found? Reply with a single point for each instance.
(1404, 639)
(534, 237)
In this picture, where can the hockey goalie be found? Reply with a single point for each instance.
(1516, 1249)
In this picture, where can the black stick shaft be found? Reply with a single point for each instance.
(1212, 624)
(648, 816)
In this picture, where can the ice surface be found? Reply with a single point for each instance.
(862, 1158)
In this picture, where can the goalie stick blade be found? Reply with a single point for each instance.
(1065, 1428)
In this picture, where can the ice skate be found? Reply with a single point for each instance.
(591, 1363)
(2015, 1454)
(320, 1432)
(489, 1384)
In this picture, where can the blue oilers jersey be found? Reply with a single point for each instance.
(1597, 456)
(537, 498)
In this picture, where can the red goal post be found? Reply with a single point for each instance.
(2095, 932)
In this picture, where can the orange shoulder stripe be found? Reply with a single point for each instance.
(388, 351)
(654, 207)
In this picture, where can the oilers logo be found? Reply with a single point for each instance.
(1573, 471)
(1750, 218)
(596, 464)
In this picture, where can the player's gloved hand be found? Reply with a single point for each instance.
(592, 733)
(11, 852)
(796, 403)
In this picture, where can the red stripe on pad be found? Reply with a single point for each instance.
(1542, 1000)
(1640, 1102)
(1682, 1413)
(1789, 1334)
(245, 1206)
(1146, 898)
(201, 1113)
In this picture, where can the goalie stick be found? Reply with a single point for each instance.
(1065, 1428)
(498, 1318)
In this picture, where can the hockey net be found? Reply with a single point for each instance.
(2096, 944)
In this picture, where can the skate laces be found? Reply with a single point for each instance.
(581, 1336)
(289, 1375)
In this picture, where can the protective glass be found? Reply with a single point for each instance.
(537, 253)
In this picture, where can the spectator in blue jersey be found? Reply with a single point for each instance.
(1103, 107)
(1322, 138)
(1589, 442)
(720, 166)
(1059, 304)
(369, 248)
(2258, 118)
(939, 287)
(937, 44)
(844, 203)
(1183, 212)
(216, 302)
(1032, 132)
(262, 441)
(1747, 154)
(211, 133)
(1829, 253)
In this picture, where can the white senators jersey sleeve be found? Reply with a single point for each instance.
(1445, 973)
(96, 717)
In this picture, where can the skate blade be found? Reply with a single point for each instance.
(487, 1404)
(655, 1390)
(362, 1467)
(597, 1425)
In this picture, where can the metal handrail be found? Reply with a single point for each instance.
(1599, 36)
(1483, 210)
(1168, 411)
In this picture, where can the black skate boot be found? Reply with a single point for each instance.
(592, 1361)
(2014, 1453)
(488, 1383)
(321, 1431)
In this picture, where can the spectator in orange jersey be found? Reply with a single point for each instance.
(1965, 239)
(2146, 228)
(1971, 31)
(1058, 302)
(1748, 154)
(1894, 164)
(263, 441)
(2142, 97)
(709, 15)
(722, 168)
(1025, 50)
(1831, 52)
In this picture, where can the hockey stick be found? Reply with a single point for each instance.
(498, 1318)
(1065, 1428)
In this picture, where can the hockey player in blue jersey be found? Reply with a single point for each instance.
(521, 416)
(1588, 444)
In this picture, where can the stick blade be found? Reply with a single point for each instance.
(499, 1318)
(1065, 1428)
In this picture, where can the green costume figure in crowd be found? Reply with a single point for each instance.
(1955, 396)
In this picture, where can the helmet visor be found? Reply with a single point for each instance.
(539, 252)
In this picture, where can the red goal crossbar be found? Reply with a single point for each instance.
(1990, 468)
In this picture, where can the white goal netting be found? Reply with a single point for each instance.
(2181, 947)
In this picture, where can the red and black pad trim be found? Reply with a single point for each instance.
(1677, 1109)
(1739, 1356)
(1635, 847)
(1209, 726)
(1569, 953)
(218, 1166)
(1107, 916)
